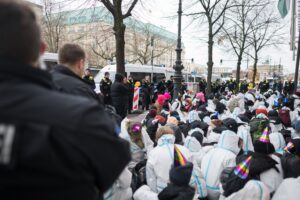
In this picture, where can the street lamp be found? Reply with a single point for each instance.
(178, 67)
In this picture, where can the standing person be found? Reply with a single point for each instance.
(146, 91)
(119, 95)
(67, 75)
(89, 79)
(57, 142)
(130, 85)
(162, 86)
(264, 86)
(170, 85)
(105, 86)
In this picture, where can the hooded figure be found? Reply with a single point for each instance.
(244, 133)
(288, 190)
(218, 159)
(291, 159)
(278, 142)
(193, 142)
(271, 176)
(176, 106)
(119, 95)
(161, 159)
(140, 142)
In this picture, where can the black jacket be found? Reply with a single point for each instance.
(70, 83)
(119, 94)
(63, 146)
(173, 192)
(290, 165)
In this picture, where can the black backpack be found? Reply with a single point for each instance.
(139, 176)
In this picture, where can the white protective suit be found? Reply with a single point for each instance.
(217, 160)
(176, 106)
(193, 116)
(271, 178)
(145, 193)
(121, 189)
(159, 164)
(289, 189)
(244, 134)
(253, 190)
(137, 153)
(278, 142)
(194, 146)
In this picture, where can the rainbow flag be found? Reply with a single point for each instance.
(179, 159)
(265, 136)
(289, 147)
(242, 169)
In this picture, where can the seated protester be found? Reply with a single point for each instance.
(161, 158)
(165, 109)
(238, 184)
(121, 188)
(199, 125)
(140, 142)
(180, 175)
(184, 128)
(268, 166)
(221, 110)
(296, 113)
(275, 121)
(288, 190)
(286, 114)
(175, 114)
(172, 122)
(193, 115)
(193, 142)
(176, 106)
(203, 112)
(216, 160)
(151, 124)
(244, 133)
(151, 114)
(214, 132)
(277, 139)
(290, 160)
(259, 123)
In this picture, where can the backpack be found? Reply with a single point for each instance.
(257, 126)
(284, 115)
(139, 175)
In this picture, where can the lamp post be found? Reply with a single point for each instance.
(178, 67)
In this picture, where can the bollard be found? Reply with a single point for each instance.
(135, 104)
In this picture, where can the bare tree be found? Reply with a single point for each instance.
(145, 45)
(115, 7)
(214, 11)
(53, 25)
(240, 25)
(266, 31)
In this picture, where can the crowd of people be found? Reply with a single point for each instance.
(58, 140)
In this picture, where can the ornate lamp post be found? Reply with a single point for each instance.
(178, 67)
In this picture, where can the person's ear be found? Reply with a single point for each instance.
(43, 47)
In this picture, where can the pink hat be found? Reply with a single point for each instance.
(161, 99)
(200, 96)
(167, 96)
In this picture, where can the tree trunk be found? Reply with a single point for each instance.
(210, 62)
(238, 71)
(119, 28)
(254, 69)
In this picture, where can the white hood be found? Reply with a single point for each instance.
(192, 144)
(244, 134)
(254, 190)
(229, 141)
(278, 141)
(288, 190)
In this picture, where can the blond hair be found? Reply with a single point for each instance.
(164, 130)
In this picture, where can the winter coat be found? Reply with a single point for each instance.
(119, 95)
(290, 165)
(278, 142)
(253, 190)
(68, 82)
(62, 140)
(218, 159)
(244, 134)
(288, 190)
(137, 154)
(159, 164)
(177, 193)
(121, 189)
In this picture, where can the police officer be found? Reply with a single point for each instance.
(170, 85)
(264, 86)
(161, 87)
(105, 86)
(130, 85)
(146, 92)
(89, 79)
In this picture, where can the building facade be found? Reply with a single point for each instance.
(266, 70)
(92, 28)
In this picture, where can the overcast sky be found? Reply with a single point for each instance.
(163, 13)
